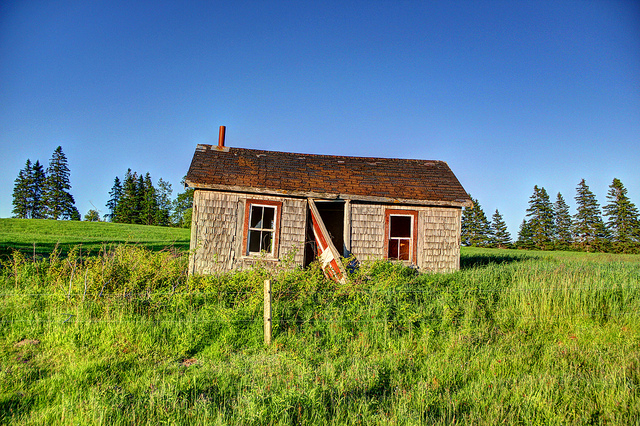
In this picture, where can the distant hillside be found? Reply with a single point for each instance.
(40, 236)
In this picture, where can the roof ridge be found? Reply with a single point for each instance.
(231, 149)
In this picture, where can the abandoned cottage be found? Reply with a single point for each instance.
(253, 204)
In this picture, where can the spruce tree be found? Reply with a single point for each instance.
(28, 192)
(126, 207)
(138, 200)
(36, 191)
(541, 221)
(563, 222)
(500, 235)
(466, 225)
(525, 236)
(149, 203)
(623, 217)
(59, 202)
(21, 192)
(112, 204)
(476, 229)
(589, 230)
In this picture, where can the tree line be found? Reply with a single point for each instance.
(135, 199)
(550, 225)
(40, 194)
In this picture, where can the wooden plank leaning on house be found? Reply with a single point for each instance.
(328, 254)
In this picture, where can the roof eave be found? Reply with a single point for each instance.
(328, 196)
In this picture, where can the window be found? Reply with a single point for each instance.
(261, 225)
(401, 234)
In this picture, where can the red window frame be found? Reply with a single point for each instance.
(276, 231)
(413, 252)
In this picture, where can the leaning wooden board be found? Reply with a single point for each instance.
(327, 252)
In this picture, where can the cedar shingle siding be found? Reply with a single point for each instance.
(364, 187)
(217, 227)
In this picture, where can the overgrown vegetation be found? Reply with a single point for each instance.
(516, 337)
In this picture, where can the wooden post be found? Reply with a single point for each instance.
(346, 233)
(267, 312)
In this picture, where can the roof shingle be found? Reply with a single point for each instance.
(326, 176)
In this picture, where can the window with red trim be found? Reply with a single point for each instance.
(401, 234)
(261, 227)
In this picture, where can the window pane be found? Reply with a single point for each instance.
(266, 241)
(256, 217)
(254, 242)
(393, 249)
(400, 226)
(268, 218)
(404, 249)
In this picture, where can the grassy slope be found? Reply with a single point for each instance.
(515, 337)
(475, 256)
(22, 234)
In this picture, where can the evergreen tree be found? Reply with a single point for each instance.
(112, 204)
(563, 223)
(138, 200)
(28, 192)
(149, 203)
(163, 201)
(589, 230)
(36, 191)
(59, 202)
(183, 205)
(541, 221)
(126, 208)
(525, 236)
(500, 235)
(21, 189)
(623, 217)
(476, 229)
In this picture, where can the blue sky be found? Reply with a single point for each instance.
(509, 94)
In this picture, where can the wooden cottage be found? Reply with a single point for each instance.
(252, 204)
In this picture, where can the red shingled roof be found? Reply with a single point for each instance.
(326, 176)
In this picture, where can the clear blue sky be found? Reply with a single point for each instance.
(511, 94)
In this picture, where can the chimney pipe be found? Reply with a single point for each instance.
(221, 137)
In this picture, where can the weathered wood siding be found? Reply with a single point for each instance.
(217, 229)
(367, 231)
(439, 239)
(438, 235)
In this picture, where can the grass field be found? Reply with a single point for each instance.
(39, 237)
(515, 337)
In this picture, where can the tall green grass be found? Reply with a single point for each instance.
(125, 338)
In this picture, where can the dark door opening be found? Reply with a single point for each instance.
(332, 214)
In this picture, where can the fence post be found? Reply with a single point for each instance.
(267, 312)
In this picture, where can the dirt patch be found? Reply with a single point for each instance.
(189, 362)
(25, 342)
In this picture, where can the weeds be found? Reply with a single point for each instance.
(124, 337)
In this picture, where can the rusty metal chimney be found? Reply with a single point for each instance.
(221, 137)
(220, 146)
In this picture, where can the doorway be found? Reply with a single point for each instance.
(332, 214)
